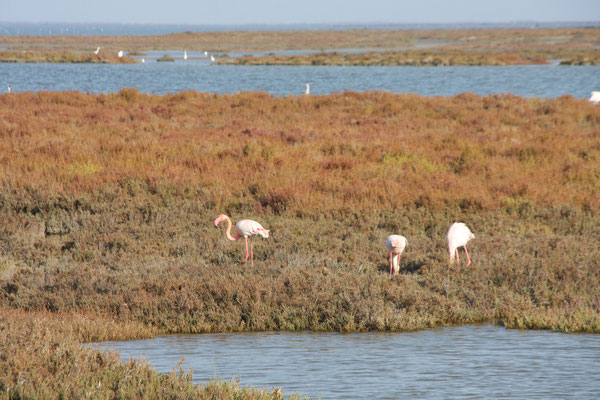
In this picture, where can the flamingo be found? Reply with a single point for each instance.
(244, 228)
(212, 58)
(97, 50)
(120, 53)
(395, 245)
(595, 98)
(307, 89)
(185, 55)
(458, 235)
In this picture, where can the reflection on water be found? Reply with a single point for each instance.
(459, 362)
(547, 81)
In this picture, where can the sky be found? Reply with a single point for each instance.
(276, 12)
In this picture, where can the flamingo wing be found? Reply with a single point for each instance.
(248, 227)
(396, 243)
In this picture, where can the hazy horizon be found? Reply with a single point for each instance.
(308, 12)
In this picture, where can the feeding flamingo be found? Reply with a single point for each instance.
(244, 228)
(595, 98)
(458, 235)
(395, 245)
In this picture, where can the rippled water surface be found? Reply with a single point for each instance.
(471, 362)
(548, 81)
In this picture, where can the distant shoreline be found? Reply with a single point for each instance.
(118, 29)
(480, 46)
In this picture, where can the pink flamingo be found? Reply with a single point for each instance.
(395, 245)
(244, 228)
(458, 235)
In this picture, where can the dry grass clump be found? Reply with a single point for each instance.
(107, 203)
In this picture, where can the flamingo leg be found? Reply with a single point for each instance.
(251, 252)
(468, 258)
(457, 259)
(391, 262)
(247, 254)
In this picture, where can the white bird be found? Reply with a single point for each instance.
(458, 235)
(212, 58)
(143, 60)
(595, 98)
(185, 55)
(307, 89)
(395, 245)
(120, 54)
(97, 50)
(8, 88)
(206, 54)
(245, 228)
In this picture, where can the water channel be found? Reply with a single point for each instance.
(468, 362)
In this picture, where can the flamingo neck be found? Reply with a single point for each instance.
(228, 231)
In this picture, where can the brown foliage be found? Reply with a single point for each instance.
(308, 153)
(107, 203)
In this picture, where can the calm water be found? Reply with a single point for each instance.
(549, 81)
(471, 362)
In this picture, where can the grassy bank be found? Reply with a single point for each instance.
(107, 203)
(403, 58)
(63, 57)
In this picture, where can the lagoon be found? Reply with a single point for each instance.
(467, 362)
(545, 81)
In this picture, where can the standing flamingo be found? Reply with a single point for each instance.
(244, 228)
(395, 245)
(458, 235)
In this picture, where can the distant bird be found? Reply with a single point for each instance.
(120, 53)
(595, 98)
(206, 54)
(395, 245)
(8, 88)
(245, 228)
(307, 89)
(458, 235)
(97, 50)
(185, 55)
(212, 58)
(143, 60)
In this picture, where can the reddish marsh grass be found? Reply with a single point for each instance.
(107, 203)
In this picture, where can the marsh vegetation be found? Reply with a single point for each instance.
(107, 203)
(493, 46)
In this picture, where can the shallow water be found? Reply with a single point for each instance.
(548, 81)
(469, 362)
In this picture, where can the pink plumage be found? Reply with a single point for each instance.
(395, 245)
(458, 235)
(245, 228)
